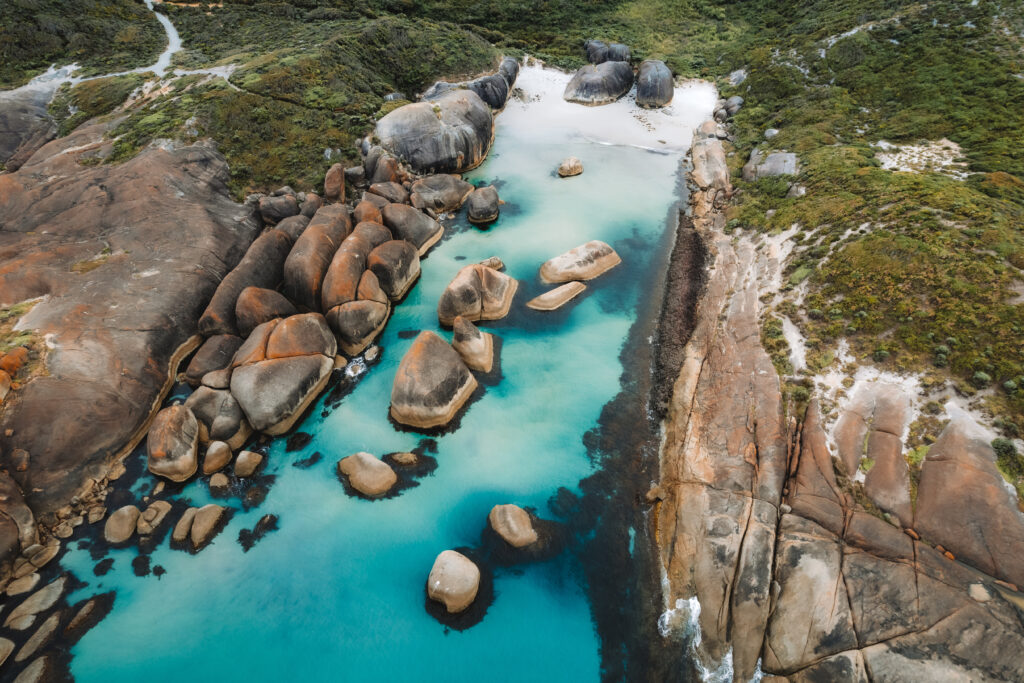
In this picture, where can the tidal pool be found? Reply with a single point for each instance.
(337, 592)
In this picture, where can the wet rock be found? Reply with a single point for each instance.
(309, 259)
(475, 347)
(442, 192)
(218, 455)
(393, 192)
(493, 89)
(219, 415)
(509, 69)
(412, 226)
(256, 306)
(334, 184)
(181, 530)
(22, 585)
(396, 264)
(214, 354)
(513, 524)
(273, 209)
(367, 474)
(482, 205)
(584, 262)
(454, 580)
(172, 443)
(773, 164)
(450, 134)
(205, 525)
(121, 525)
(557, 297)
(247, 463)
(431, 385)
(570, 167)
(405, 459)
(477, 293)
(985, 528)
(261, 267)
(22, 616)
(654, 85)
(281, 369)
(219, 482)
(600, 84)
(152, 517)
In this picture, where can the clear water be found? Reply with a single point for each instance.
(337, 592)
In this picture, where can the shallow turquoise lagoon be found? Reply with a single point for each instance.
(337, 592)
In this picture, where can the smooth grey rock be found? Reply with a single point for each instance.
(774, 164)
(509, 68)
(493, 90)
(482, 205)
(412, 225)
(219, 415)
(733, 104)
(273, 209)
(274, 392)
(600, 84)
(584, 262)
(215, 354)
(442, 192)
(654, 85)
(396, 264)
(597, 51)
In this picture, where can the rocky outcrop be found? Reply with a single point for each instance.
(599, 52)
(513, 524)
(584, 262)
(25, 124)
(281, 369)
(431, 385)
(454, 580)
(600, 84)
(570, 167)
(441, 193)
(476, 293)
(172, 443)
(985, 527)
(450, 134)
(557, 297)
(493, 89)
(475, 347)
(368, 475)
(128, 256)
(413, 226)
(219, 415)
(654, 85)
(391, 191)
(309, 259)
(763, 165)
(482, 206)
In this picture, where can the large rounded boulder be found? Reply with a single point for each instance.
(654, 86)
(307, 264)
(412, 225)
(493, 90)
(599, 84)
(219, 415)
(477, 293)
(450, 134)
(509, 68)
(172, 444)
(584, 262)
(431, 385)
(396, 264)
(369, 475)
(454, 581)
(257, 305)
(441, 192)
(483, 205)
(513, 524)
(281, 368)
(215, 354)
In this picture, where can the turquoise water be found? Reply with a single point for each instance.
(337, 592)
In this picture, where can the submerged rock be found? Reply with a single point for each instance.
(557, 297)
(513, 524)
(477, 293)
(475, 347)
(570, 167)
(482, 205)
(584, 262)
(654, 86)
(205, 525)
(454, 580)
(172, 443)
(600, 84)
(367, 474)
(450, 134)
(431, 385)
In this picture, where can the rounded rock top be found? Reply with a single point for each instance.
(454, 580)
(570, 167)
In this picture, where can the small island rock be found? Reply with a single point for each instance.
(584, 262)
(172, 443)
(513, 524)
(431, 385)
(454, 580)
(570, 167)
(367, 474)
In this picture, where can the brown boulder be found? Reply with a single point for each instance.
(12, 361)
(454, 580)
(584, 262)
(293, 226)
(557, 297)
(475, 347)
(219, 416)
(121, 524)
(431, 385)
(477, 293)
(396, 264)
(172, 443)
(309, 259)
(513, 524)
(215, 354)
(482, 205)
(273, 209)
(368, 212)
(393, 192)
(310, 205)
(256, 306)
(369, 475)
(412, 226)
(334, 184)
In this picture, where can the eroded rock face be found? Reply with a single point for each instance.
(584, 262)
(477, 293)
(159, 233)
(513, 524)
(369, 475)
(442, 192)
(985, 528)
(450, 134)
(600, 84)
(654, 85)
(431, 385)
(475, 347)
(309, 259)
(280, 370)
(412, 225)
(172, 443)
(454, 580)
(25, 124)
(482, 205)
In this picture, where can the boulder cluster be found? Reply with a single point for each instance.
(584, 262)
(609, 76)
